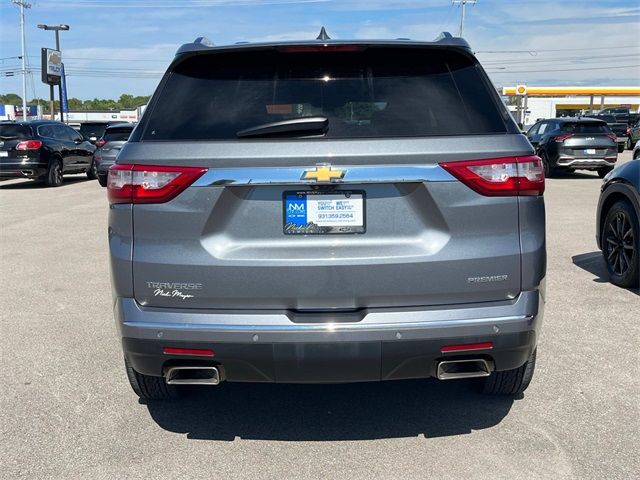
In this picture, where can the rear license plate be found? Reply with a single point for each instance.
(590, 151)
(322, 213)
(4, 154)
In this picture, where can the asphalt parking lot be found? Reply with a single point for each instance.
(67, 410)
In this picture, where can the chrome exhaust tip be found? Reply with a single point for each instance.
(456, 369)
(192, 375)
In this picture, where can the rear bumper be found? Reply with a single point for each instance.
(386, 344)
(573, 162)
(103, 165)
(22, 168)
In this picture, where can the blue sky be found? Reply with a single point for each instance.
(122, 46)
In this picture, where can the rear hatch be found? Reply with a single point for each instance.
(114, 138)
(587, 138)
(12, 134)
(376, 124)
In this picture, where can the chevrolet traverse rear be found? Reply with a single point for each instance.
(324, 212)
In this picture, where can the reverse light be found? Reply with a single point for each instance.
(562, 137)
(148, 183)
(197, 352)
(495, 177)
(29, 145)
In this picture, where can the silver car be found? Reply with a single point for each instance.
(109, 145)
(327, 211)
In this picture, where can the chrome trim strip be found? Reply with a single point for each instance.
(586, 162)
(353, 174)
(327, 327)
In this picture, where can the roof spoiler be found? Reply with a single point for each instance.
(200, 43)
(445, 38)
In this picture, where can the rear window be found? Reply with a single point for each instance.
(379, 92)
(607, 118)
(591, 127)
(117, 134)
(10, 131)
(89, 130)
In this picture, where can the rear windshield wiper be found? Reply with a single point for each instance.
(301, 126)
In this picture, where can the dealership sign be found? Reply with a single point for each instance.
(51, 66)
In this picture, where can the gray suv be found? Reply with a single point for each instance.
(327, 211)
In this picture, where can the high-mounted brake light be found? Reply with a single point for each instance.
(324, 47)
(149, 183)
(496, 177)
(29, 145)
(562, 137)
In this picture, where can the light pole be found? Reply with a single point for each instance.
(57, 29)
(22, 4)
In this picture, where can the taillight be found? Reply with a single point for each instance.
(149, 183)
(29, 145)
(100, 143)
(612, 136)
(562, 137)
(495, 177)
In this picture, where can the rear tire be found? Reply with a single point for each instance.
(549, 170)
(148, 387)
(630, 143)
(92, 172)
(621, 245)
(102, 180)
(511, 382)
(54, 173)
(620, 147)
(603, 171)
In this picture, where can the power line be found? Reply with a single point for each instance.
(562, 70)
(534, 52)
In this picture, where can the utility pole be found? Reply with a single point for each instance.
(22, 4)
(463, 5)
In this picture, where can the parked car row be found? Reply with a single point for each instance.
(46, 150)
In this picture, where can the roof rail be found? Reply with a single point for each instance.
(200, 43)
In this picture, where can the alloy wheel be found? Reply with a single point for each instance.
(620, 243)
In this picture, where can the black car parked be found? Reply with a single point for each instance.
(574, 143)
(618, 126)
(43, 150)
(618, 233)
(93, 130)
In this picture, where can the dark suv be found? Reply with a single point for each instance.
(43, 150)
(327, 211)
(108, 147)
(574, 143)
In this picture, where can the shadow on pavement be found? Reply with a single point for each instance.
(363, 411)
(27, 184)
(594, 264)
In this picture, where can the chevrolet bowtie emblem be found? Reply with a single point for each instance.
(323, 173)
